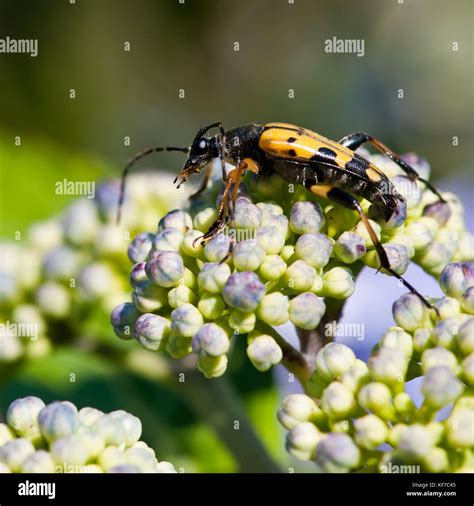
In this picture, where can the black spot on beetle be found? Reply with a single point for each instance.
(292, 152)
(327, 152)
(291, 139)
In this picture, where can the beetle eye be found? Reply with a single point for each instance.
(201, 146)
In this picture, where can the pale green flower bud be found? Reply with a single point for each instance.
(459, 428)
(465, 337)
(440, 387)
(165, 467)
(338, 219)
(302, 440)
(436, 460)
(334, 360)
(191, 245)
(211, 306)
(211, 340)
(213, 277)
(389, 366)
(370, 431)
(140, 247)
(88, 416)
(123, 319)
(410, 312)
(397, 256)
(273, 267)
(377, 398)
(287, 252)
(468, 300)
(138, 274)
(58, 419)
(149, 297)
(268, 209)
(212, 367)
(15, 452)
(181, 295)
(38, 462)
(306, 310)
(447, 307)
(356, 376)
(445, 331)
(415, 442)
(439, 356)
(439, 211)
(456, 278)
(397, 338)
(349, 247)
(403, 240)
(404, 404)
(338, 401)
(337, 453)
(186, 320)
(176, 219)
(165, 268)
(420, 235)
(110, 429)
(217, 248)
(22, 417)
(295, 409)
(314, 249)
(247, 215)
(80, 222)
(243, 291)
(111, 456)
(300, 276)
(247, 255)
(6, 434)
(270, 240)
(422, 339)
(435, 257)
(306, 218)
(93, 442)
(204, 219)
(263, 351)
(280, 222)
(466, 247)
(150, 330)
(242, 322)
(362, 232)
(274, 309)
(468, 369)
(69, 451)
(140, 458)
(169, 239)
(178, 346)
(53, 299)
(338, 283)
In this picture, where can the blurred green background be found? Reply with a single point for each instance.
(136, 93)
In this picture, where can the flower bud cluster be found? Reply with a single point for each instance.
(353, 409)
(72, 269)
(59, 438)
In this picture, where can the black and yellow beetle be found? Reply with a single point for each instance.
(326, 168)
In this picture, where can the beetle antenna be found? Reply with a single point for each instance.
(132, 162)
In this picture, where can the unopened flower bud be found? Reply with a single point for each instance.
(186, 320)
(370, 431)
(274, 309)
(306, 218)
(440, 387)
(263, 351)
(150, 330)
(243, 291)
(306, 310)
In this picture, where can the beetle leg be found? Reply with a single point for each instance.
(355, 140)
(234, 176)
(350, 202)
